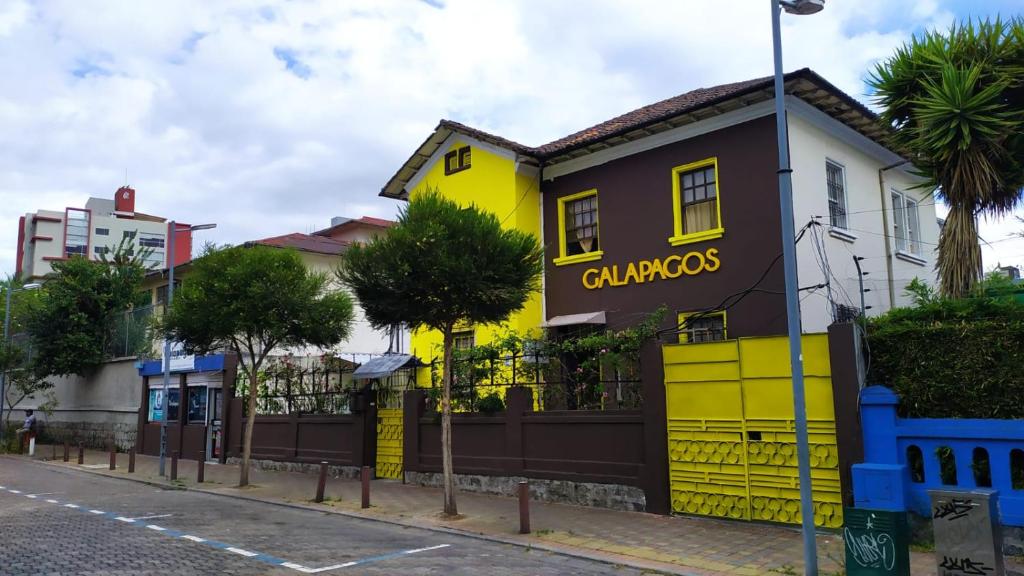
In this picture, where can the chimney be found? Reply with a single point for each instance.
(124, 200)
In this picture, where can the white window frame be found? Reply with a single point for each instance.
(845, 196)
(906, 218)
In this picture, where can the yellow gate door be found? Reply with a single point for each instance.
(731, 433)
(389, 443)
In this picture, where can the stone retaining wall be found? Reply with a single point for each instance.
(612, 496)
(92, 434)
(345, 472)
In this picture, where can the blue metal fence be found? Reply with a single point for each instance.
(905, 457)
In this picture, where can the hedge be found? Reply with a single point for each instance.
(953, 358)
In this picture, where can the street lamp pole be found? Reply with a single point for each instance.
(792, 290)
(171, 236)
(7, 327)
(172, 232)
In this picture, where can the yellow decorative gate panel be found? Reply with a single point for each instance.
(731, 433)
(389, 443)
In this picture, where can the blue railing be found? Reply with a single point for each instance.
(905, 457)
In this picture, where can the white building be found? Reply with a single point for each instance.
(98, 228)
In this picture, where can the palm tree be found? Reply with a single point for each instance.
(955, 103)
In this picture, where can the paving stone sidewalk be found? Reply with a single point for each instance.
(682, 545)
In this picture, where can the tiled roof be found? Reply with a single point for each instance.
(650, 113)
(305, 243)
(700, 104)
(367, 220)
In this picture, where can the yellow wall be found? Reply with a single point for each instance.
(731, 433)
(492, 184)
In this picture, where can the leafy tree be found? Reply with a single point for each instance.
(252, 300)
(956, 104)
(73, 316)
(441, 265)
(22, 382)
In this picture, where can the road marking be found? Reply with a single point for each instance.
(95, 466)
(30, 496)
(264, 558)
(42, 494)
(245, 553)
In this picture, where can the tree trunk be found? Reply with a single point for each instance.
(959, 260)
(250, 424)
(448, 474)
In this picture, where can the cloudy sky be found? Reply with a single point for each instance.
(271, 117)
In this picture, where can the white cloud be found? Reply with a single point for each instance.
(269, 118)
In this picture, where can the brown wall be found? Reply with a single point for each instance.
(302, 438)
(636, 219)
(602, 447)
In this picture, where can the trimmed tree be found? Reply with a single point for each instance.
(441, 265)
(71, 319)
(252, 300)
(955, 102)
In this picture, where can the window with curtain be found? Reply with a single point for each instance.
(906, 223)
(698, 191)
(581, 226)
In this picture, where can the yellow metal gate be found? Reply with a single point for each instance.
(389, 443)
(731, 439)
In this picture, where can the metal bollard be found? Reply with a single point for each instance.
(54, 446)
(201, 467)
(67, 450)
(113, 456)
(131, 460)
(81, 453)
(321, 483)
(365, 478)
(524, 507)
(174, 465)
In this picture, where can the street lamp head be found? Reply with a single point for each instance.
(802, 7)
(202, 227)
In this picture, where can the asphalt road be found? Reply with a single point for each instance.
(60, 521)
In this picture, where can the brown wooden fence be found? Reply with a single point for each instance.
(581, 446)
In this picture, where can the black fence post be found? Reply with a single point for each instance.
(81, 453)
(524, 507)
(131, 460)
(201, 467)
(174, 465)
(321, 483)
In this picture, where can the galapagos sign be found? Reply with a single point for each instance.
(667, 268)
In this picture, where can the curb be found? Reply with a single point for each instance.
(595, 555)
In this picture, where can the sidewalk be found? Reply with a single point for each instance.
(680, 545)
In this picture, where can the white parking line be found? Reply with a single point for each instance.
(13, 491)
(193, 538)
(31, 496)
(155, 527)
(245, 553)
(52, 501)
(123, 519)
(97, 512)
(151, 517)
(71, 505)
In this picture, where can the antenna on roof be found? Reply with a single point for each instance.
(126, 176)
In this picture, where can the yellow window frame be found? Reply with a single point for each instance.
(682, 316)
(678, 238)
(562, 259)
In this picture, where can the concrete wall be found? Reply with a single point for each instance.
(93, 409)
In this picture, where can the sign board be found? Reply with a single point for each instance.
(180, 360)
(968, 539)
(876, 542)
(156, 405)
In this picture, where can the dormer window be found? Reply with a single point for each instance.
(457, 160)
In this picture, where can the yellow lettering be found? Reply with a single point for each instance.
(679, 269)
(644, 270)
(631, 273)
(693, 271)
(712, 255)
(591, 284)
(606, 276)
(615, 276)
(656, 268)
